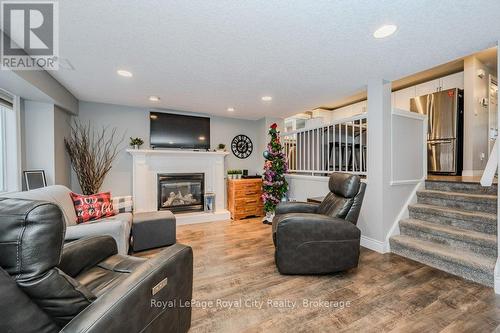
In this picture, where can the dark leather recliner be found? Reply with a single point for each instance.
(313, 238)
(85, 286)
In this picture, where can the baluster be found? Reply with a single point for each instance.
(353, 154)
(328, 149)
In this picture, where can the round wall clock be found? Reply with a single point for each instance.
(241, 146)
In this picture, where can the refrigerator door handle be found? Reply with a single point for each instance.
(439, 142)
(430, 112)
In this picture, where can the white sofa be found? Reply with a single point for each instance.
(118, 226)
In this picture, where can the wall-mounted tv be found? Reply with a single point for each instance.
(168, 130)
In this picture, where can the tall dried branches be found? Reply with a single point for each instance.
(92, 152)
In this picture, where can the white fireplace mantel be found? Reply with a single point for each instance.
(148, 163)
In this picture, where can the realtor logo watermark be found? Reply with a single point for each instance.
(30, 38)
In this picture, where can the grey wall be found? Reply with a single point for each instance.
(62, 164)
(38, 138)
(43, 128)
(133, 121)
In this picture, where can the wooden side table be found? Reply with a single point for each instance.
(244, 198)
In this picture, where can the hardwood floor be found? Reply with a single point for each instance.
(234, 261)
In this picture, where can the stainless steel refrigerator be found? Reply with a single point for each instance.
(444, 131)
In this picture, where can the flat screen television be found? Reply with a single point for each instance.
(169, 130)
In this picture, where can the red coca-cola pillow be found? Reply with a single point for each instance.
(92, 207)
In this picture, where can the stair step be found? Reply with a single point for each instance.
(471, 202)
(476, 221)
(476, 242)
(464, 187)
(463, 263)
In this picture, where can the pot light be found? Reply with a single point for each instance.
(267, 98)
(385, 31)
(124, 73)
(154, 98)
(230, 109)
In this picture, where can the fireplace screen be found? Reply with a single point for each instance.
(181, 192)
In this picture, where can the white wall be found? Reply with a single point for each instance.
(475, 117)
(133, 121)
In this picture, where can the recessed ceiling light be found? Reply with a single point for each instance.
(267, 98)
(230, 109)
(154, 98)
(124, 73)
(385, 31)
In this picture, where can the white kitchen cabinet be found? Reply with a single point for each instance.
(401, 98)
(428, 87)
(358, 108)
(348, 111)
(453, 81)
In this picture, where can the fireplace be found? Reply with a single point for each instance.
(181, 192)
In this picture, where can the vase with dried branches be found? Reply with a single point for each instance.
(91, 152)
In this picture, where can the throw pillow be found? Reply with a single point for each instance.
(123, 204)
(92, 207)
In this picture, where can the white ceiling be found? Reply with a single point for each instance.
(204, 56)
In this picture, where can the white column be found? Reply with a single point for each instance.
(373, 224)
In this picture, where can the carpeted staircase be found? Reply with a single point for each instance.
(452, 227)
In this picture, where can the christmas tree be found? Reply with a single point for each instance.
(274, 184)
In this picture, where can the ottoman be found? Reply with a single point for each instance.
(153, 229)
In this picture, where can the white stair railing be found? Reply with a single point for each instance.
(491, 167)
(337, 146)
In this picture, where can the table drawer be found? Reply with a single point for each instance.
(243, 202)
(245, 192)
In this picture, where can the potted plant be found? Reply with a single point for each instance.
(231, 174)
(238, 173)
(221, 147)
(136, 142)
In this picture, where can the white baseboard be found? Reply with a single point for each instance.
(403, 214)
(373, 244)
(472, 173)
(202, 217)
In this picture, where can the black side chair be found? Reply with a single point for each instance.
(85, 285)
(313, 238)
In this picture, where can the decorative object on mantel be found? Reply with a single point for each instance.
(274, 184)
(136, 142)
(241, 146)
(221, 147)
(34, 179)
(91, 152)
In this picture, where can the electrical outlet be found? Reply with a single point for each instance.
(482, 156)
